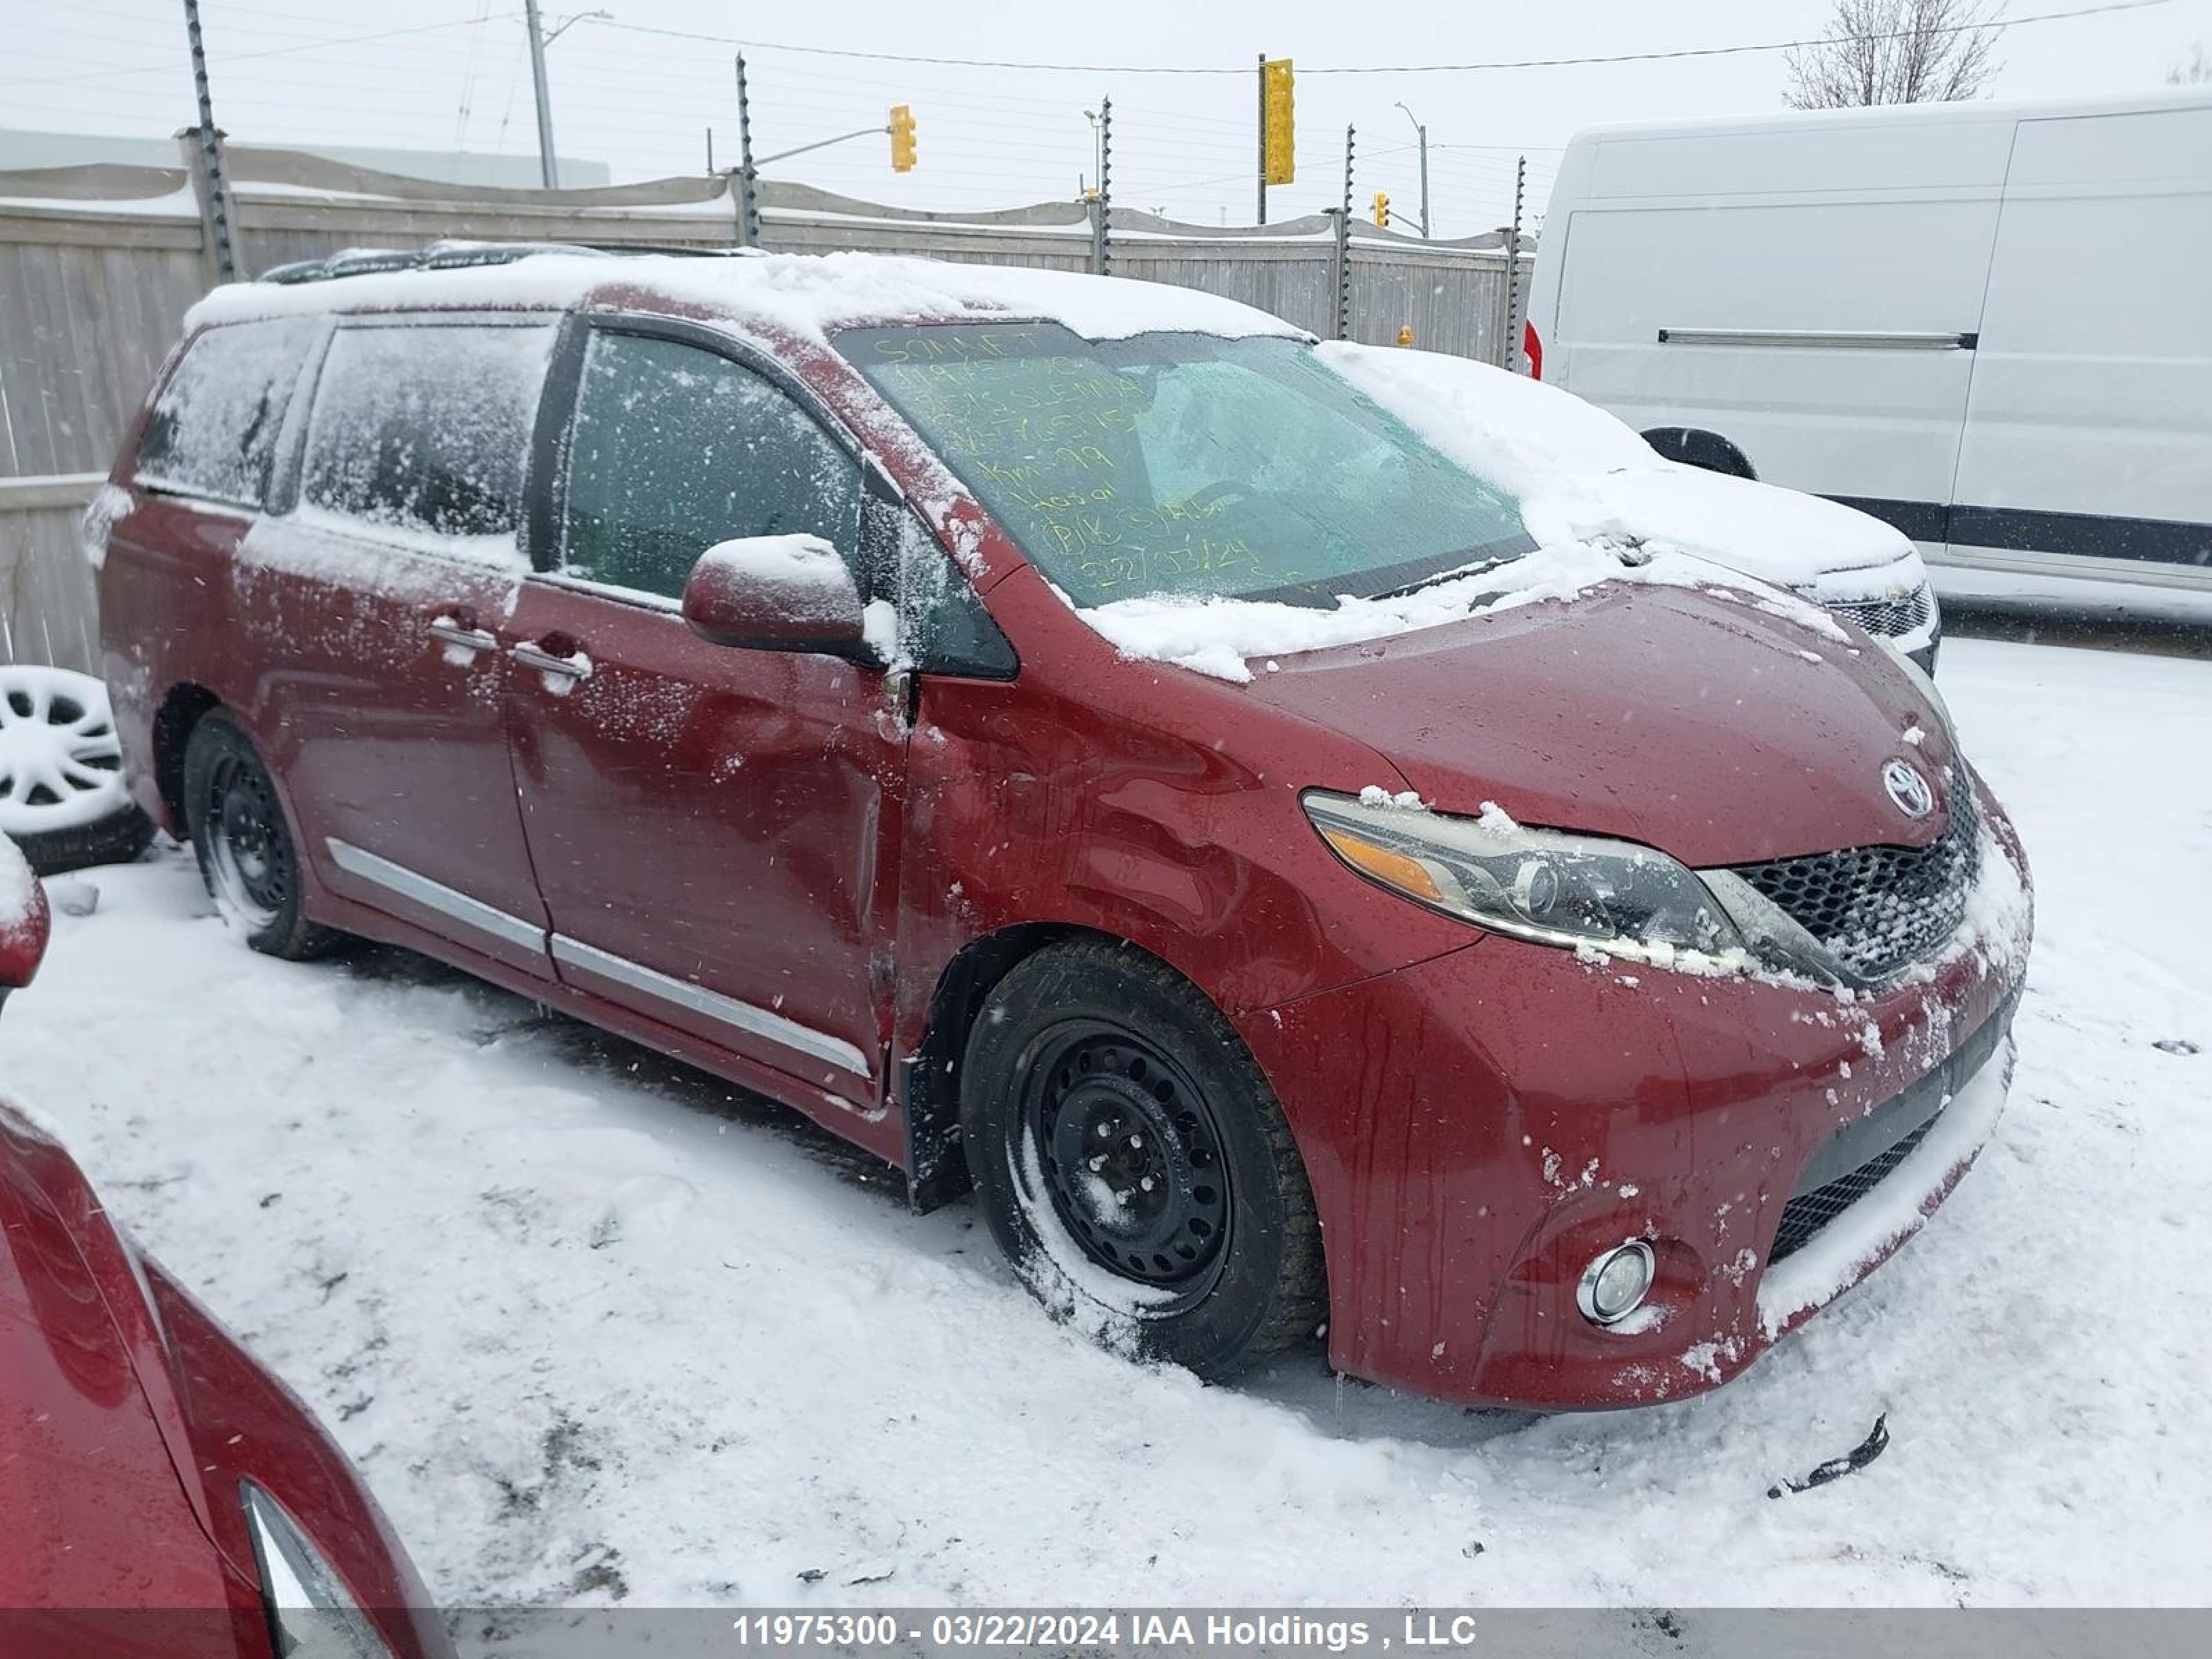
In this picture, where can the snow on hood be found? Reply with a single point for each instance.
(1601, 505)
(1582, 474)
(807, 297)
(1223, 637)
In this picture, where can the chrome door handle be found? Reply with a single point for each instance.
(578, 667)
(457, 640)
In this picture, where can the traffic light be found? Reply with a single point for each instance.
(1278, 123)
(901, 130)
(1382, 208)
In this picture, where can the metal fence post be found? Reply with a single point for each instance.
(1511, 359)
(1344, 244)
(214, 190)
(1102, 243)
(743, 181)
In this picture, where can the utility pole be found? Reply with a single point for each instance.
(1421, 132)
(549, 171)
(214, 181)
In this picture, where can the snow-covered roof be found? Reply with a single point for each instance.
(805, 295)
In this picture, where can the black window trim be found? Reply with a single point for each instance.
(287, 467)
(545, 489)
(545, 484)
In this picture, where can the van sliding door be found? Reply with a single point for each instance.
(1818, 308)
(2084, 448)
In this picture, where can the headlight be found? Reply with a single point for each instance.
(1923, 682)
(311, 1613)
(1539, 884)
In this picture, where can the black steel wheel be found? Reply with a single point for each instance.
(248, 855)
(1129, 1152)
(1134, 1164)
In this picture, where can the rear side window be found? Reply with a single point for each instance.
(213, 430)
(426, 428)
(676, 449)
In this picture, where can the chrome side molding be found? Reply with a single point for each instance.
(479, 917)
(712, 1004)
(450, 903)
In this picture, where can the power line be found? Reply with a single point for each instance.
(1372, 68)
(172, 65)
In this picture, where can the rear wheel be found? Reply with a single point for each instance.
(1135, 1166)
(248, 855)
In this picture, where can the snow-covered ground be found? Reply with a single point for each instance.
(596, 1327)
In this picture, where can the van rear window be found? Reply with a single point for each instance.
(425, 427)
(213, 428)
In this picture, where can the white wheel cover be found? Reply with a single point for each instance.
(60, 766)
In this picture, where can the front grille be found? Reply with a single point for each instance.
(1805, 1215)
(1889, 618)
(1878, 909)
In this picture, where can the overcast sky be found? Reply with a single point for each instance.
(458, 77)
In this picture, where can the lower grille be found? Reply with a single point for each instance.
(1855, 1160)
(1879, 910)
(1889, 618)
(1805, 1215)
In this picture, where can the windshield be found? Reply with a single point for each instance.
(1185, 465)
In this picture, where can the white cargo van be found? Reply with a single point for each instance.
(1989, 323)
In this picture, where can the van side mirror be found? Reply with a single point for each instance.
(776, 593)
(23, 921)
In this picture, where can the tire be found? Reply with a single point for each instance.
(116, 839)
(1695, 447)
(248, 854)
(62, 795)
(1215, 1266)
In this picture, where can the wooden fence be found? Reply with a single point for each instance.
(98, 265)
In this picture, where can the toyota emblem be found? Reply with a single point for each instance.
(1908, 790)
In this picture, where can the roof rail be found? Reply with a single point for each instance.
(455, 255)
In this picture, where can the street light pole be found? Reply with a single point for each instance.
(1422, 133)
(549, 172)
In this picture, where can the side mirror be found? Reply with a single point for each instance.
(776, 593)
(23, 919)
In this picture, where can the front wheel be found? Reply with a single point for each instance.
(1135, 1166)
(248, 856)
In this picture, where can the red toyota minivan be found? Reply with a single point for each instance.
(1061, 735)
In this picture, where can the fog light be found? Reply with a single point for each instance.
(1615, 1283)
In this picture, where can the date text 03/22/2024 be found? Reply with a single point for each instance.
(1172, 1631)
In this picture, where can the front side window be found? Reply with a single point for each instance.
(425, 427)
(213, 429)
(676, 448)
(1186, 466)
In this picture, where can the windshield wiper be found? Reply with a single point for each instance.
(1435, 577)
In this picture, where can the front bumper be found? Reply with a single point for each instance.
(1508, 1111)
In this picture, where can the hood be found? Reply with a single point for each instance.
(91, 1505)
(1583, 475)
(1706, 727)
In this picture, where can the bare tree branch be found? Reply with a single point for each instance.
(1897, 52)
(2196, 72)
